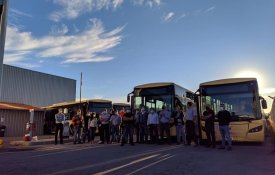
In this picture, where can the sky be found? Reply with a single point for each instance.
(119, 44)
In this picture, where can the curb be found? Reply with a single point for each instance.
(34, 143)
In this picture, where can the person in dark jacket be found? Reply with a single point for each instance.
(224, 119)
(209, 118)
(128, 124)
(143, 131)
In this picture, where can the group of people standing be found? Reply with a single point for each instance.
(148, 125)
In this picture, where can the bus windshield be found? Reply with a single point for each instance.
(99, 107)
(239, 99)
(153, 101)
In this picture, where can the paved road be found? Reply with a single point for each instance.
(139, 159)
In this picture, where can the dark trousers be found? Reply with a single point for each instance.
(143, 132)
(210, 134)
(190, 132)
(127, 133)
(85, 134)
(59, 127)
(115, 133)
(164, 127)
(153, 130)
(137, 131)
(105, 133)
(92, 133)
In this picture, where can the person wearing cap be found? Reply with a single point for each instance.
(224, 119)
(164, 119)
(209, 117)
(59, 121)
(128, 124)
(191, 117)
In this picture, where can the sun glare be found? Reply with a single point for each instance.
(251, 74)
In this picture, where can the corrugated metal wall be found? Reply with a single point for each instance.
(15, 121)
(34, 88)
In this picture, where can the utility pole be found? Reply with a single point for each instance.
(80, 92)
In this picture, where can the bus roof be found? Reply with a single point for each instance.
(77, 102)
(121, 104)
(152, 85)
(227, 81)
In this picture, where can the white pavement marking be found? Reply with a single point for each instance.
(154, 151)
(71, 150)
(149, 165)
(126, 165)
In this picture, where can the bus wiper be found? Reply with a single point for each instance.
(245, 117)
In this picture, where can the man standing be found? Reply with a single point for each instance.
(179, 125)
(191, 117)
(128, 124)
(164, 117)
(115, 121)
(209, 117)
(224, 119)
(153, 122)
(105, 127)
(76, 120)
(59, 121)
(143, 117)
(136, 126)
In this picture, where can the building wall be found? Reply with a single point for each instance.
(15, 121)
(34, 88)
(3, 24)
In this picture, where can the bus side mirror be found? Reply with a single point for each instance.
(196, 98)
(264, 104)
(128, 98)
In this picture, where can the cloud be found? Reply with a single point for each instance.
(150, 3)
(210, 9)
(71, 9)
(181, 17)
(91, 45)
(59, 30)
(17, 13)
(267, 91)
(168, 17)
(15, 16)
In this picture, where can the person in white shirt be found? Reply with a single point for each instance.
(105, 127)
(59, 121)
(164, 118)
(153, 122)
(115, 122)
(191, 118)
(93, 124)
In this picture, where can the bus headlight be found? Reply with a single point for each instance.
(257, 129)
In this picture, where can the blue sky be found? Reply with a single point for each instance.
(118, 44)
